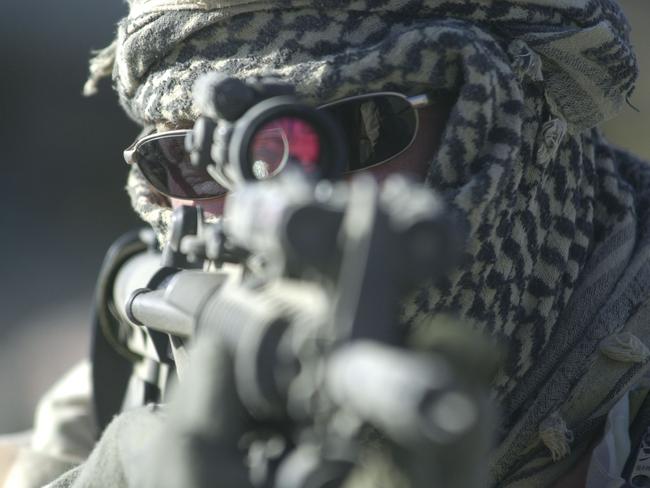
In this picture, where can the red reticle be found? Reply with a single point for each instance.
(283, 141)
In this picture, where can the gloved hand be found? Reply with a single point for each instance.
(197, 445)
(192, 442)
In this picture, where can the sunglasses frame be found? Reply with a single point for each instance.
(415, 101)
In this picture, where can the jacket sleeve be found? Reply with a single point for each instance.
(64, 432)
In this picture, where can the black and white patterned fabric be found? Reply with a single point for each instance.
(555, 261)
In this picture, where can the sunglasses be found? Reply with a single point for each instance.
(377, 127)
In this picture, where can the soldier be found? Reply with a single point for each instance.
(555, 266)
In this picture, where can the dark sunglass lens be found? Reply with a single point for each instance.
(166, 165)
(377, 128)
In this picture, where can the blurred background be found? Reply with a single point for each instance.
(62, 200)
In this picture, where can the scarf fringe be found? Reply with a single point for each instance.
(100, 66)
(556, 436)
(525, 62)
(552, 133)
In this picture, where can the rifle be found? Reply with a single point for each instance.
(301, 284)
(291, 306)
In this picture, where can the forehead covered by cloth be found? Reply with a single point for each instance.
(337, 48)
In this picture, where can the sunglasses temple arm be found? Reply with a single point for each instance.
(128, 154)
(419, 101)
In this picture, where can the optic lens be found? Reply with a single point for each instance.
(287, 140)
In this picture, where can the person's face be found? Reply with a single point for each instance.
(414, 161)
